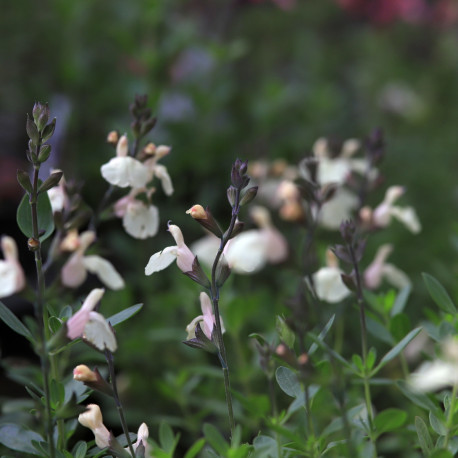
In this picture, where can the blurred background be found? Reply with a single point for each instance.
(250, 79)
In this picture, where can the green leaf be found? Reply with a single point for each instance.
(322, 334)
(288, 382)
(358, 362)
(424, 438)
(441, 453)
(419, 399)
(124, 315)
(57, 391)
(285, 333)
(166, 437)
(371, 357)
(437, 425)
(215, 439)
(195, 448)
(265, 447)
(80, 449)
(11, 320)
(45, 216)
(389, 419)
(438, 294)
(401, 301)
(397, 349)
(18, 438)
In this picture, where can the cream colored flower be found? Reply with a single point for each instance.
(206, 320)
(12, 278)
(92, 419)
(74, 271)
(179, 253)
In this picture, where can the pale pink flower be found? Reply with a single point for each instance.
(92, 419)
(383, 213)
(179, 252)
(90, 325)
(379, 269)
(74, 271)
(207, 320)
(328, 283)
(139, 220)
(12, 278)
(58, 195)
(142, 438)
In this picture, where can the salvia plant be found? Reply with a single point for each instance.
(345, 371)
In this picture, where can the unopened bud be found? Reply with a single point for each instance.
(303, 359)
(113, 137)
(150, 149)
(82, 373)
(122, 148)
(33, 244)
(197, 212)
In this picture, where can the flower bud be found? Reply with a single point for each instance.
(249, 195)
(162, 150)
(113, 137)
(82, 373)
(150, 149)
(48, 131)
(197, 212)
(122, 148)
(33, 244)
(32, 131)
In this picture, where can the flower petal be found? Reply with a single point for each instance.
(329, 286)
(98, 332)
(125, 171)
(161, 260)
(408, 217)
(161, 172)
(104, 270)
(73, 272)
(141, 221)
(247, 253)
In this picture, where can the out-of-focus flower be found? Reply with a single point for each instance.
(139, 220)
(90, 325)
(58, 195)
(339, 208)
(439, 373)
(249, 251)
(12, 278)
(328, 283)
(92, 419)
(82, 373)
(74, 271)
(379, 269)
(382, 215)
(180, 253)
(291, 208)
(113, 137)
(206, 320)
(401, 99)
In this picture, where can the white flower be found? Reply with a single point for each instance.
(139, 220)
(338, 209)
(206, 320)
(179, 253)
(439, 373)
(383, 213)
(92, 419)
(12, 278)
(328, 283)
(142, 438)
(379, 270)
(249, 251)
(74, 271)
(57, 195)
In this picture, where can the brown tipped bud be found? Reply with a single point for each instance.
(82, 373)
(113, 137)
(33, 244)
(197, 212)
(150, 149)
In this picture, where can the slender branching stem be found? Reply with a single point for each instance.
(125, 429)
(41, 314)
(214, 293)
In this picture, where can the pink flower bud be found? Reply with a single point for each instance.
(82, 373)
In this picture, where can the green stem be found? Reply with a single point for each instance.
(214, 293)
(41, 314)
(450, 415)
(125, 429)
